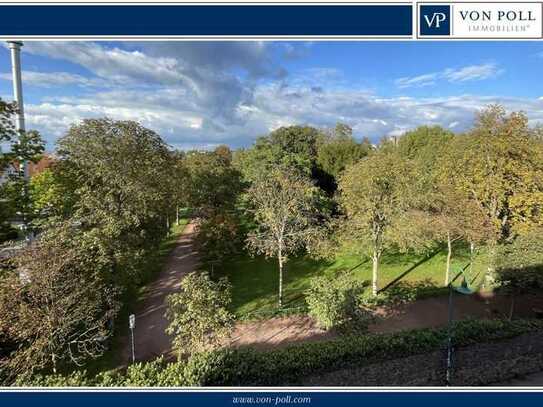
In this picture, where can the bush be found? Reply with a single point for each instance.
(235, 367)
(332, 301)
(403, 293)
(198, 314)
(7, 232)
(519, 265)
(288, 365)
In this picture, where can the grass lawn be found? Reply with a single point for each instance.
(255, 280)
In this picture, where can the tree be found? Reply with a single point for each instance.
(374, 193)
(284, 205)
(499, 165)
(219, 236)
(119, 174)
(214, 183)
(180, 182)
(21, 146)
(440, 211)
(198, 314)
(339, 150)
(54, 305)
(519, 265)
(287, 147)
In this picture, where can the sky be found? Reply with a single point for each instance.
(203, 94)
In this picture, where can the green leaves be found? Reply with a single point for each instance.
(198, 314)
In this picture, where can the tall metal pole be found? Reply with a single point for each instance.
(15, 47)
(449, 338)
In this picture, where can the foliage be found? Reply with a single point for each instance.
(214, 185)
(374, 194)
(235, 367)
(21, 146)
(499, 165)
(520, 264)
(54, 305)
(120, 203)
(340, 150)
(285, 210)
(404, 292)
(198, 315)
(333, 301)
(219, 236)
(52, 195)
(287, 147)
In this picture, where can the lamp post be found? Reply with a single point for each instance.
(463, 289)
(15, 50)
(132, 325)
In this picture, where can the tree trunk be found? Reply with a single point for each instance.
(168, 224)
(375, 271)
(449, 254)
(471, 252)
(177, 215)
(491, 268)
(54, 361)
(512, 308)
(280, 258)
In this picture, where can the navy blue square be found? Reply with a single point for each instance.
(435, 20)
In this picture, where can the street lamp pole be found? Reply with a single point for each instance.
(15, 49)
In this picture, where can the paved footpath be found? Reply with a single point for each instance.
(151, 341)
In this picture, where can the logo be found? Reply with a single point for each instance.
(486, 20)
(435, 20)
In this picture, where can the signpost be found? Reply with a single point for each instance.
(132, 325)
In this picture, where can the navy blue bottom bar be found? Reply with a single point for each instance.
(273, 398)
(197, 20)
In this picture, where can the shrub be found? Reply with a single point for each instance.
(402, 293)
(198, 314)
(287, 365)
(520, 264)
(332, 300)
(234, 367)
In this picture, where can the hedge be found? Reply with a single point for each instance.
(235, 367)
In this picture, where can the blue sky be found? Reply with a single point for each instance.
(201, 94)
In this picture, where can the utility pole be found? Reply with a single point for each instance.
(15, 49)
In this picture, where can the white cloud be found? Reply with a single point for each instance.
(185, 124)
(452, 75)
(417, 81)
(472, 73)
(52, 79)
(204, 94)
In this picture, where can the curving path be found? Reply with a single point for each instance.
(151, 341)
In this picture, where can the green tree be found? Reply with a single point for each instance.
(119, 172)
(374, 194)
(198, 314)
(285, 208)
(499, 165)
(214, 184)
(339, 150)
(440, 211)
(289, 147)
(19, 147)
(54, 305)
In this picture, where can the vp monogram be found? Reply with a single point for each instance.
(435, 20)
